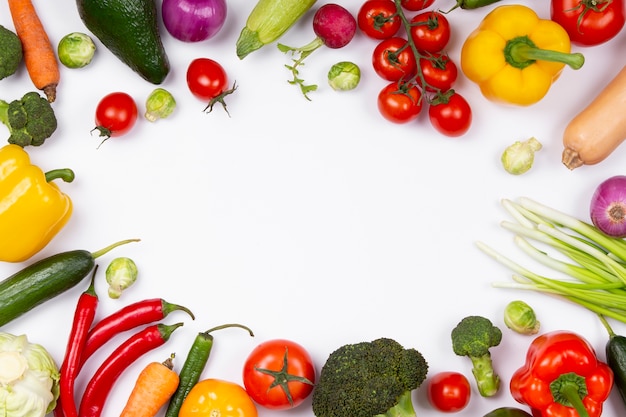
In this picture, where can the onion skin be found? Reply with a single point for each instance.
(608, 206)
(193, 20)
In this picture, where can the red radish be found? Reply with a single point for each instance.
(334, 27)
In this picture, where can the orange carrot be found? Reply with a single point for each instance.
(156, 383)
(39, 56)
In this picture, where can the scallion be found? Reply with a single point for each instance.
(594, 261)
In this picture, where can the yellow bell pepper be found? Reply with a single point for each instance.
(32, 209)
(514, 56)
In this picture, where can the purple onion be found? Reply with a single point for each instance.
(608, 206)
(193, 20)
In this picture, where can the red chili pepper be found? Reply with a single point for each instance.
(562, 377)
(127, 318)
(133, 348)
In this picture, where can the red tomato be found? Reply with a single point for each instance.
(439, 72)
(279, 374)
(116, 114)
(400, 104)
(378, 19)
(393, 59)
(589, 22)
(452, 117)
(449, 391)
(206, 78)
(415, 5)
(430, 31)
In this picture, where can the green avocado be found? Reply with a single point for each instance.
(130, 30)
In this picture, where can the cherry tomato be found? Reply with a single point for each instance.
(416, 5)
(279, 374)
(216, 397)
(393, 59)
(400, 104)
(439, 72)
(453, 116)
(116, 114)
(589, 22)
(206, 78)
(430, 31)
(378, 19)
(449, 391)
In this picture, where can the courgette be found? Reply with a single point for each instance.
(45, 279)
(268, 21)
(508, 412)
(615, 350)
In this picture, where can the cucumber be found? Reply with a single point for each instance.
(615, 350)
(130, 30)
(45, 279)
(508, 412)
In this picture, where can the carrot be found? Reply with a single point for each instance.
(39, 55)
(155, 384)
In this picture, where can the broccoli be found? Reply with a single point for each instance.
(10, 52)
(369, 379)
(473, 337)
(30, 120)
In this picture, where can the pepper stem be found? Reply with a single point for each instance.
(112, 246)
(521, 52)
(65, 174)
(569, 389)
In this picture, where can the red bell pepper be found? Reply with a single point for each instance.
(562, 377)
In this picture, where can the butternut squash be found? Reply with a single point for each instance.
(594, 133)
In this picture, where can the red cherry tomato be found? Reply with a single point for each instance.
(430, 31)
(449, 391)
(439, 72)
(589, 23)
(400, 104)
(393, 59)
(116, 114)
(206, 78)
(378, 19)
(275, 369)
(416, 5)
(452, 117)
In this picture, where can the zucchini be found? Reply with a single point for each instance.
(268, 21)
(45, 279)
(616, 358)
(508, 412)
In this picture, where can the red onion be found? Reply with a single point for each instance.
(193, 20)
(608, 206)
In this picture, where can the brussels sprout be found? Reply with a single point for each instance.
(159, 104)
(521, 318)
(120, 274)
(76, 50)
(344, 76)
(520, 156)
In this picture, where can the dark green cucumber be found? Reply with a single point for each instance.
(45, 279)
(130, 30)
(615, 350)
(508, 412)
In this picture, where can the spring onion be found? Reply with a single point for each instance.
(594, 262)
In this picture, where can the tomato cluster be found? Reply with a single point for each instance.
(410, 56)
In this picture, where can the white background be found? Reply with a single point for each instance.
(316, 221)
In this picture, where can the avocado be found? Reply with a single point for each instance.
(130, 30)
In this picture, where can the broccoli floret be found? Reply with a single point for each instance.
(369, 379)
(30, 120)
(473, 337)
(10, 52)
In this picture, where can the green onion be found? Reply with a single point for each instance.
(594, 263)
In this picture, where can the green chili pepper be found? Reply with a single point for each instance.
(194, 365)
(472, 4)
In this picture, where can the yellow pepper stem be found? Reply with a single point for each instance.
(65, 174)
(521, 52)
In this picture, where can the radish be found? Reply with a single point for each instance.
(334, 27)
